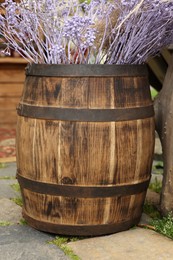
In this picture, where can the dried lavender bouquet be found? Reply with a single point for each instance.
(87, 32)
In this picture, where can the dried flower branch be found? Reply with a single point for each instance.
(143, 29)
(95, 31)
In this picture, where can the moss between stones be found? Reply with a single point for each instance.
(23, 222)
(7, 178)
(151, 210)
(18, 201)
(61, 242)
(15, 187)
(5, 223)
(156, 186)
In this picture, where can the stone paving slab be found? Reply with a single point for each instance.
(9, 170)
(145, 219)
(156, 177)
(6, 191)
(133, 244)
(153, 198)
(10, 212)
(24, 243)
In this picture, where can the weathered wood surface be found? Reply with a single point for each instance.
(164, 123)
(12, 77)
(85, 154)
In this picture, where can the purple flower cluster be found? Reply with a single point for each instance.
(51, 31)
(79, 28)
(143, 29)
(66, 31)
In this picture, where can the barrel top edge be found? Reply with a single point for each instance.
(88, 70)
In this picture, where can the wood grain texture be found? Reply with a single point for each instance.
(11, 89)
(72, 211)
(11, 73)
(85, 153)
(8, 118)
(12, 77)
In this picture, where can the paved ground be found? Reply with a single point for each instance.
(136, 244)
(20, 242)
(24, 243)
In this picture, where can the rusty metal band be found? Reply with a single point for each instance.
(89, 70)
(80, 230)
(85, 115)
(81, 191)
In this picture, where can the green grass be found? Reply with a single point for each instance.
(18, 201)
(23, 222)
(61, 242)
(4, 223)
(164, 225)
(156, 186)
(158, 167)
(7, 178)
(15, 187)
(151, 210)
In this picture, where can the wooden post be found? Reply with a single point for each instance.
(164, 127)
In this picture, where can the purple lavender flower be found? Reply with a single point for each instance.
(143, 29)
(58, 31)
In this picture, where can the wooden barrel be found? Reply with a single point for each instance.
(85, 141)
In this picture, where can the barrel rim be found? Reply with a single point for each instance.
(86, 70)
